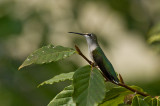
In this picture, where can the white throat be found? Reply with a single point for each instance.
(92, 45)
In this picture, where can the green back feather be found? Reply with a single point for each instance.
(100, 57)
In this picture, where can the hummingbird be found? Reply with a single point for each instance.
(99, 58)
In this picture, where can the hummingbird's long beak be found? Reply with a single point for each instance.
(78, 33)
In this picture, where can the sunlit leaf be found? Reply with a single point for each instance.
(64, 98)
(89, 87)
(152, 101)
(148, 100)
(154, 30)
(114, 101)
(119, 90)
(154, 37)
(116, 96)
(158, 99)
(110, 86)
(48, 54)
(137, 101)
(58, 78)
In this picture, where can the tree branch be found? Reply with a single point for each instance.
(122, 84)
(81, 54)
(133, 90)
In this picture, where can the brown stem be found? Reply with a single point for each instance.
(121, 79)
(81, 54)
(133, 90)
(119, 84)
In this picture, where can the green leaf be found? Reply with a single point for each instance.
(154, 30)
(58, 78)
(116, 95)
(48, 54)
(64, 98)
(158, 100)
(110, 86)
(137, 101)
(89, 86)
(148, 100)
(114, 101)
(119, 90)
(154, 37)
(152, 101)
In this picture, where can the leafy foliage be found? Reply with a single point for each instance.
(154, 37)
(63, 98)
(116, 95)
(139, 102)
(147, 101)
(48, 54)
(119, 90)
(58, 78)
(89, 86)
(152, 101)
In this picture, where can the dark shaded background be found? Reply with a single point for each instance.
(124, 28)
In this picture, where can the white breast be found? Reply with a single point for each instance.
(91, 46)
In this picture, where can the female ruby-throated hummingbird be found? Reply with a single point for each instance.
(98, 56)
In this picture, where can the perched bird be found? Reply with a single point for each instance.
(99, 58)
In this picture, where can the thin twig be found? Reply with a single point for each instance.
(121, 79)
(81, 54)
(133, 90)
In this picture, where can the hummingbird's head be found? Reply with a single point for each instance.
(90, 37)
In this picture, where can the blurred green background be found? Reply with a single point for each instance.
(128, 31)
